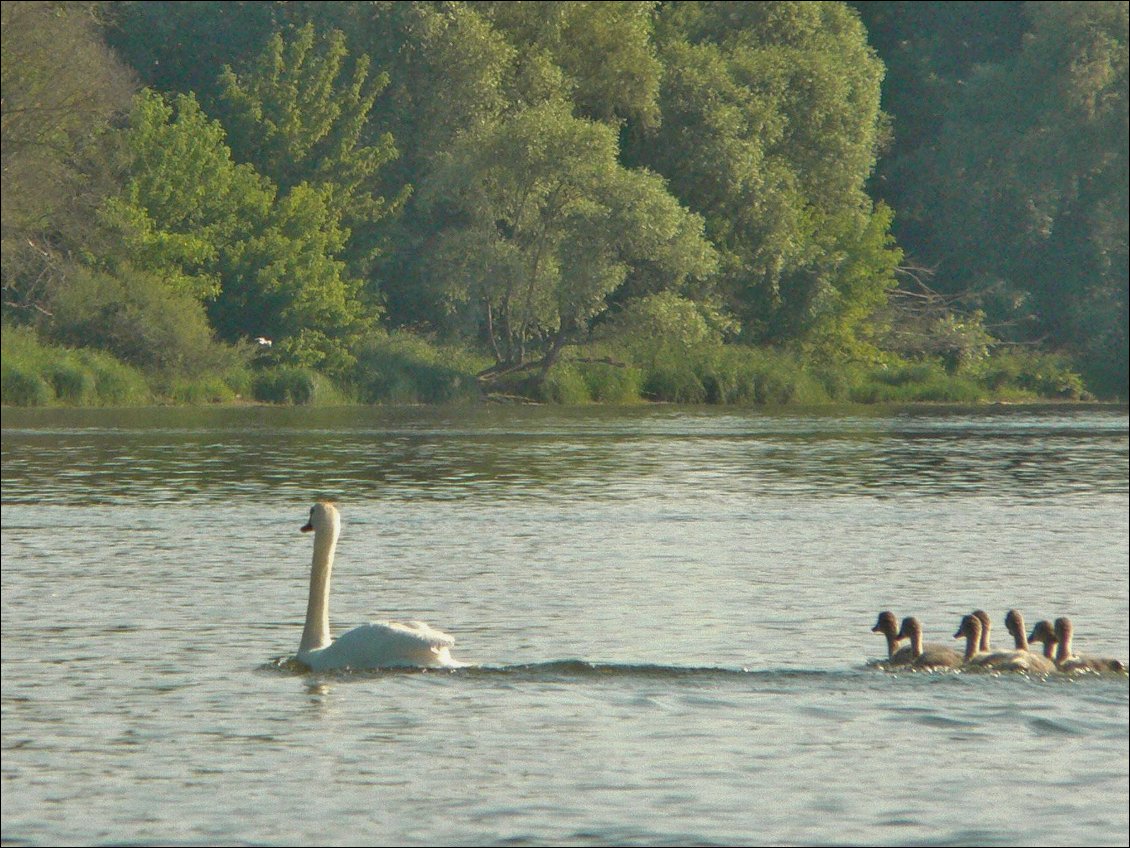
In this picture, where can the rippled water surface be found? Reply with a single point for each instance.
(668, 610)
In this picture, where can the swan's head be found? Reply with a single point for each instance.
(911, 628)
(983, 617)
(1043, 632)
(323, 516)
(970, 626)
(1014, 621)
(887, 624)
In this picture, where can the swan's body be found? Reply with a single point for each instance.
(1065, 660)
(927, 656)
(888, 626)
(376, 645)
(985, 657)
(1014, 621)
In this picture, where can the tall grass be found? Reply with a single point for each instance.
(916, 383)
(1026, 374)
(36, 374)
(235, 385)
(296, 387)
(745, 375)
(402, 368)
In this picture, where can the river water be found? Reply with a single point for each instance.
(668, 611)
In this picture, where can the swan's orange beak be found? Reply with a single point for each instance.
(306, 528)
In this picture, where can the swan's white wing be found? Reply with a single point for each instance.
(386, 644)
(418, 630)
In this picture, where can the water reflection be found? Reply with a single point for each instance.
(163, 456)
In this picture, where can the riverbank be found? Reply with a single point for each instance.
(402, 369)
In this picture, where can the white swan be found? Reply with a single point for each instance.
(376, 645)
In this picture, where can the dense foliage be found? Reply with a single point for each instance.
(569, 201)
(1009, 166)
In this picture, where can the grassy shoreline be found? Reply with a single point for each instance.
(402, 369)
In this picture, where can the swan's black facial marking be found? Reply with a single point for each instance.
(309, 525)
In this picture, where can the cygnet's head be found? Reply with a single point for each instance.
(887, 624)
(323, 516)
(1063, 629)
(1043, 632)
(1014, 621)
(911, 628)
(970, 626)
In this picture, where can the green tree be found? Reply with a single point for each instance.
(771, 127)
(264, 263)
(545, 225)
(604, 52)
(299, 112)
(286, 282)
(931, 49)
(853, 280)
(449, 73)
(1028, 188)
(185, 200)
(138, 317)
(178, 47)
(52, 111)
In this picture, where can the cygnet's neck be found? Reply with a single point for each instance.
(983, 643)
(1063, 635)
(972, 638)
(1020, 636)
(316, 633)
(915, 636)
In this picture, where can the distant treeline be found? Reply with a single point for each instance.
(567, 201)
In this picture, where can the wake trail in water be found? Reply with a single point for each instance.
(567, 670)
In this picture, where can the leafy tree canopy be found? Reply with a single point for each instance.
(771, 128)
(545, 225)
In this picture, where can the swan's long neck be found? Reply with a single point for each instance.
(316, 634)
